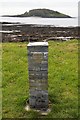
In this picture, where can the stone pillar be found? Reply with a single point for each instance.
(38, 74)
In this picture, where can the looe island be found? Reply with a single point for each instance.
(17, 32)
(44, 13)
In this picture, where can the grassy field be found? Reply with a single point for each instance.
(62, 80)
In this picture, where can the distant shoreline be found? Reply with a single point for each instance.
(32, 16)
(37, 25)
(57, 22)
(28, 32)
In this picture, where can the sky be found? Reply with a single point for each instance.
(14, 7)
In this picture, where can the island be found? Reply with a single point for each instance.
(44, 13)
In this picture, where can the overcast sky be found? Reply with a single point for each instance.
(9, 7)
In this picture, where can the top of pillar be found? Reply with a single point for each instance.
(38, 44)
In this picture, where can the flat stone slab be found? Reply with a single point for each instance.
(42, 112)
(38, 44)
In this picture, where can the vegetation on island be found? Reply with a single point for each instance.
(44, 13)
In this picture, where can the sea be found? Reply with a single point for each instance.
(57, 22)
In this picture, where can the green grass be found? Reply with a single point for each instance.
(0, 80)
(62, 80)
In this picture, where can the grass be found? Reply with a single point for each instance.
(62, 80)
(0, 81)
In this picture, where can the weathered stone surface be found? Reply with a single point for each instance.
(38, 74)
(43, 65)
(39, 84)
(37, 48)
(35, 55)
(39, 99)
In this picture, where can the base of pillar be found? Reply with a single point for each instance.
(42, 112)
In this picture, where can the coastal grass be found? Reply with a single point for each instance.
(62, 80)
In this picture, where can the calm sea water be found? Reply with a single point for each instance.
(59, 22)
